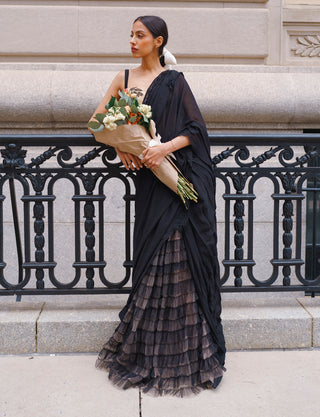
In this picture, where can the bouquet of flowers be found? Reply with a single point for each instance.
(128, 126)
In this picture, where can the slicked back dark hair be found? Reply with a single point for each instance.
(158, 27)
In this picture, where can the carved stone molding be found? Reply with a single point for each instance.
(232, 96)
(307, 46)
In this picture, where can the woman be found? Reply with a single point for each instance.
(170, 338)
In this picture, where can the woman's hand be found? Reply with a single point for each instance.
(129, 161)
(152, 157)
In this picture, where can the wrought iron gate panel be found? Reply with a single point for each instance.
(240, 168)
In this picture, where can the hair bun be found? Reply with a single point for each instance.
(163, 64)
(168, 58)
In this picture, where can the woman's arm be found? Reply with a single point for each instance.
(152, 157)
(115, 86)
(129, 161)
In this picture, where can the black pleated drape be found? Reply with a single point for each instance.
(159, 211)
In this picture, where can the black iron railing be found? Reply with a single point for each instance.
(263, 245)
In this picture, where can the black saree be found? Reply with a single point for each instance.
(176, 283)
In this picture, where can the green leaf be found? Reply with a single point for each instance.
(123, 111)
(133, 119)
(134, 109)
(111, 102)
(122, 94)
(122, 102)
(100, 117)
(94, 125)
(120, 122)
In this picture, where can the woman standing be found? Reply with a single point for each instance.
(170, 338)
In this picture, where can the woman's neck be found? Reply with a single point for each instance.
(151, 64)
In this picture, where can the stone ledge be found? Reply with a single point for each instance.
(266, 323)
(312, 306)
(18, 327)
(75, 330)
(84, 326)
(224, 97)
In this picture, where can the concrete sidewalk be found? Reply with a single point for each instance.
(256, 384)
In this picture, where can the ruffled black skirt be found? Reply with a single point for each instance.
(163, 344)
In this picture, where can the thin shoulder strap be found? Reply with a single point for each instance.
(126, 77)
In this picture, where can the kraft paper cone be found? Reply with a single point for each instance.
(135, 139)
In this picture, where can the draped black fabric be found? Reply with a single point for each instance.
(159, 211)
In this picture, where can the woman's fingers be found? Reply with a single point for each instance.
(129, 161)
(147, 156)
(124, 161)
(152, 162)
(130, 165)
(152, 157)
(123, 158)
(137, 162)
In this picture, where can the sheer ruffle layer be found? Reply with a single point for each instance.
(163, 344)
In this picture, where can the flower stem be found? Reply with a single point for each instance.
(186, 191)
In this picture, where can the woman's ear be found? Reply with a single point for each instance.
(158, 41)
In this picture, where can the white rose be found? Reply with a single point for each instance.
(111, 126)
(108, 119)
(119, 116)
(145, 109)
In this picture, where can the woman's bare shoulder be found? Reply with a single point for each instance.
(119, 79)
(116, 84)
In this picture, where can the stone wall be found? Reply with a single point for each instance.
(251, 64)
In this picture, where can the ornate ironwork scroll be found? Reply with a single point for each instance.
(243, 163)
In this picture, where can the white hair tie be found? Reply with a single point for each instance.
(169, 59)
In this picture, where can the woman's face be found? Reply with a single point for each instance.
(142, 42)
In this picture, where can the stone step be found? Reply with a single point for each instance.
(61, 324)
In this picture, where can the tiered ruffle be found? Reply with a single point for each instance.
(163, 345)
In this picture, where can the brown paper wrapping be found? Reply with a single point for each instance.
(135, 139)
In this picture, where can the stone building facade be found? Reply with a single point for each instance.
(252, 64)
